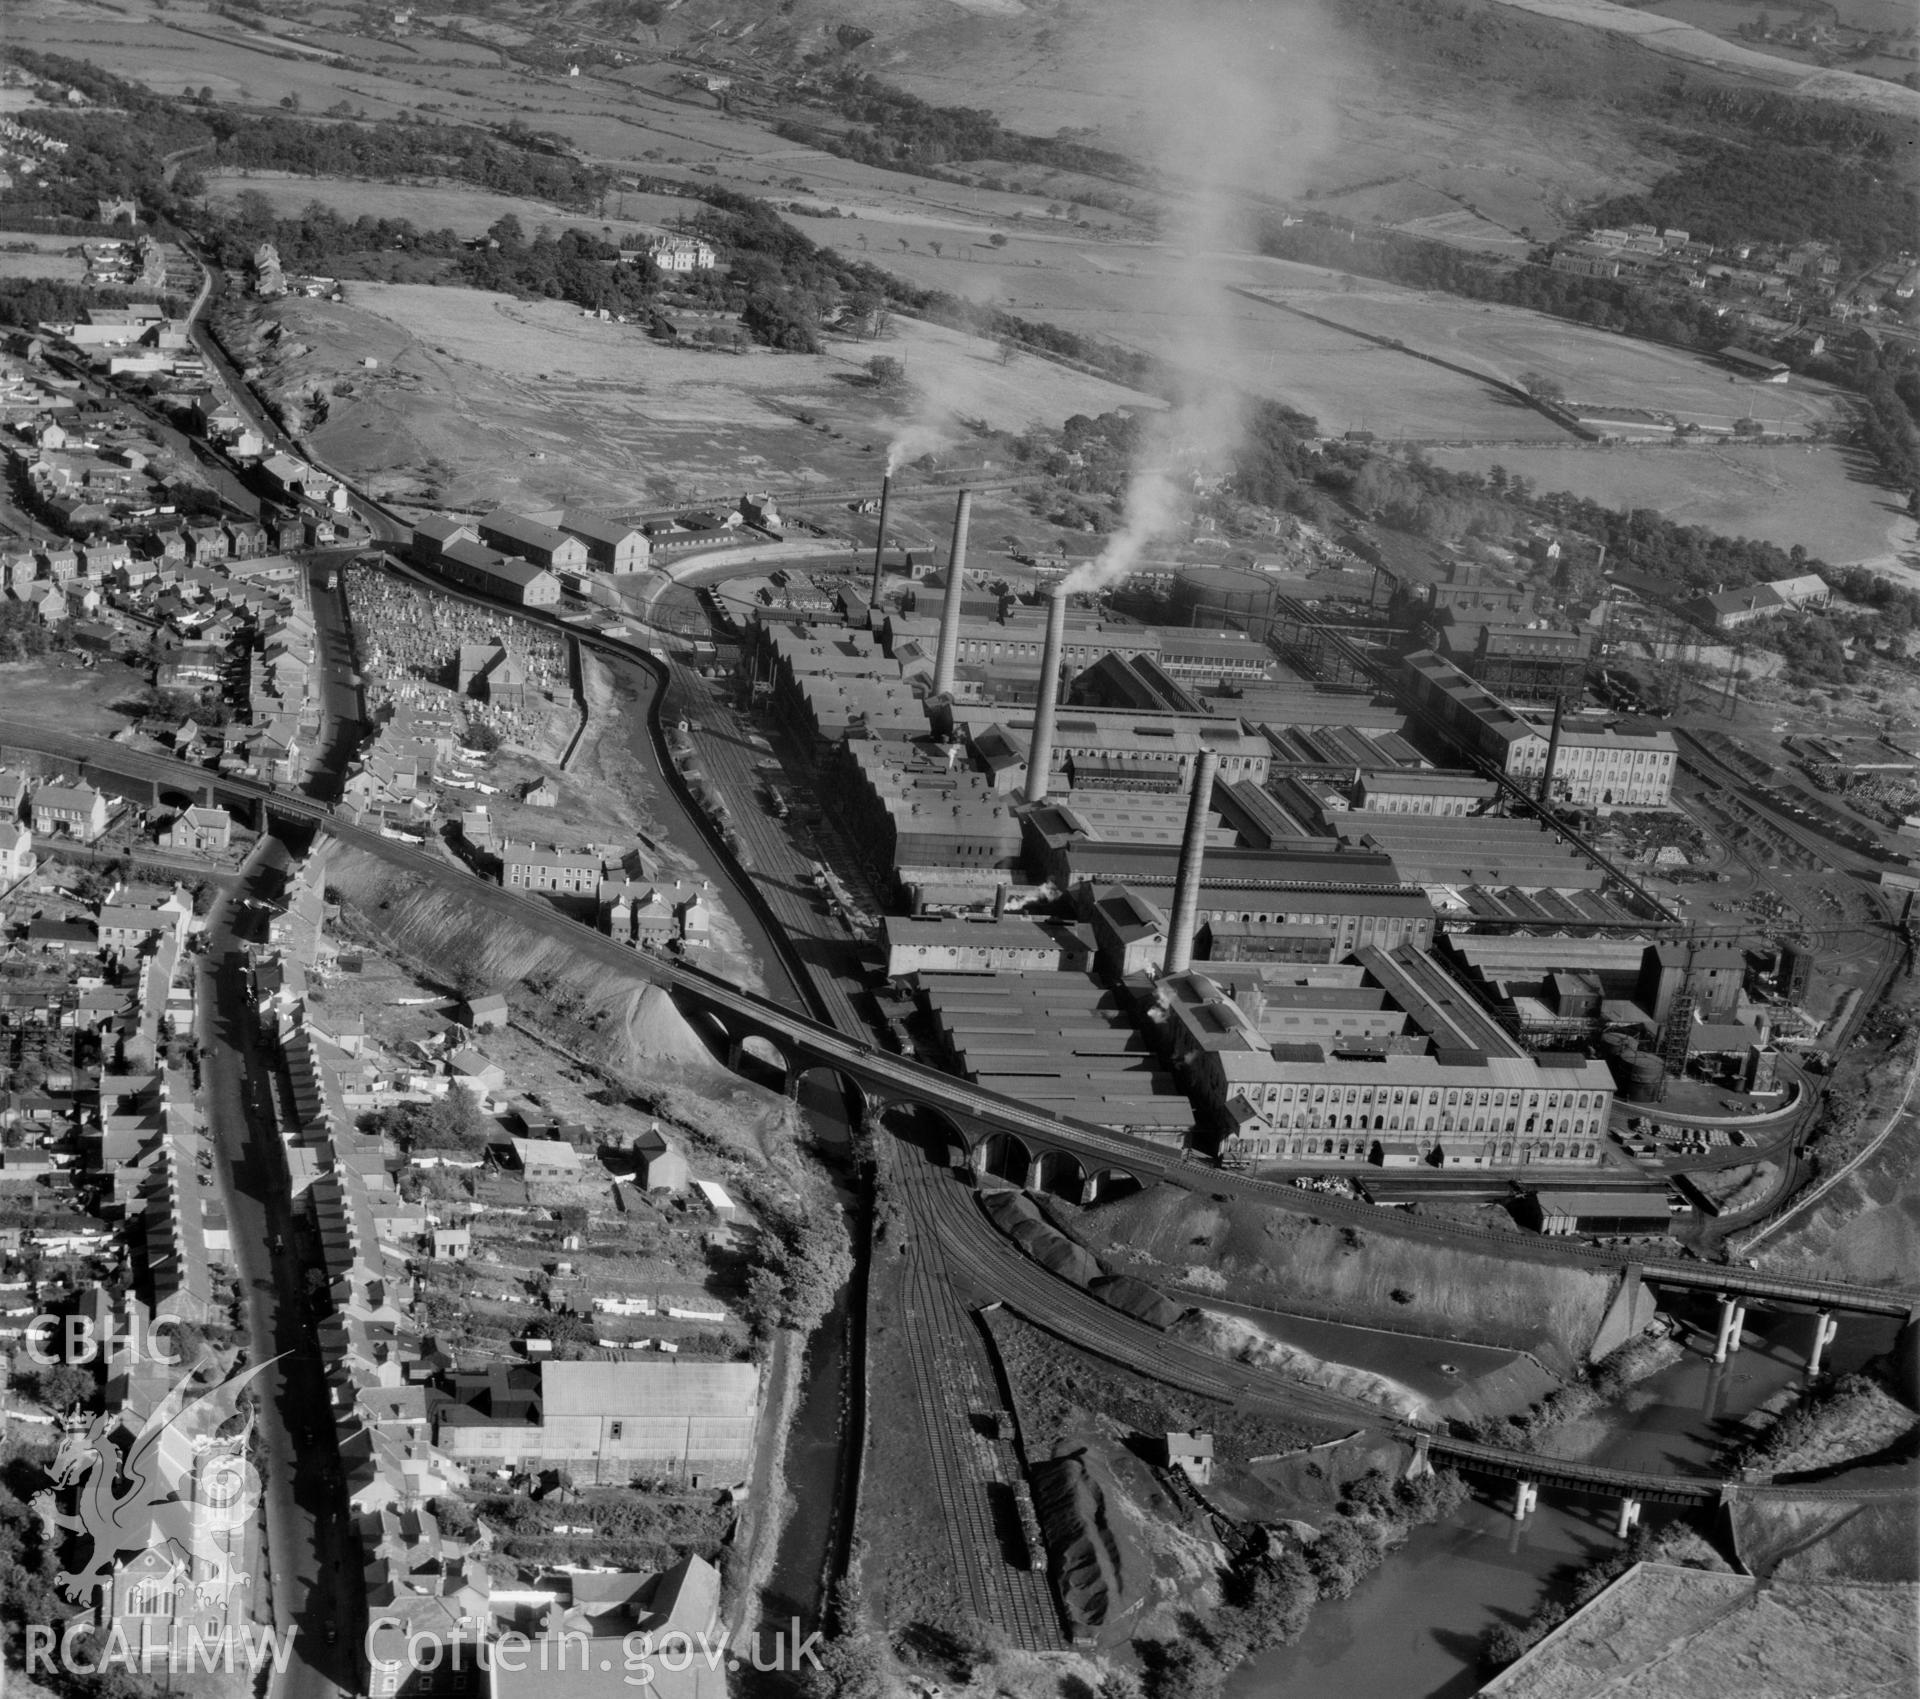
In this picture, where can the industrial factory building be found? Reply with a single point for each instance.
(1154, 745)
(1397, 791)
(1010, 944)
(1061, 1042)
(1524, 662)
(1616, 767)
(947, 834)
(1014, 641)
(1473, 850)
(452, 548)
(1421, 1077)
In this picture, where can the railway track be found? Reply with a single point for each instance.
(1015, 1600)
(944, 1209)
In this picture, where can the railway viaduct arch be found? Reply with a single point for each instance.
(1027, 1158)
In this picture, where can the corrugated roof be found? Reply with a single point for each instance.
(663, 1388)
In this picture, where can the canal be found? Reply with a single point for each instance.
(1413, 1629)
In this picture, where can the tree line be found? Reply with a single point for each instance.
(521, 164)
(1765, 190)
(901, 132)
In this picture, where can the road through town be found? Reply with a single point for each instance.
(309, 1541)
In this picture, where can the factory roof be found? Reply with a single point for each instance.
(667, 1386)
(1219, 899)
(596, 528)
(1402, 782)
(481, 559)
(529, 533)
(1435, 1002)
(1468, 694)
(1510, 954)
(1129, 915)
(1159, 736)
(1465, 1069)
(1647, 1205)
(1009, 932)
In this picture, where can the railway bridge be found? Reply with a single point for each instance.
(1632, 1488)
(991, 1132)
(985, 1131)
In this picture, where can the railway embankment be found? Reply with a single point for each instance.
(1236, 1248)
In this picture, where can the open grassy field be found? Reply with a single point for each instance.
(495, 400)
(60, 262)
(1725, 18)
(1824, 499)
(1595, 367)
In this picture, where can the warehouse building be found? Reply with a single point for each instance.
(612, 546)
(1622, 766)
(1451, 1090)
(1606, 1213)
(1012, 644)
(1060, 1042)
(1010, 944)
(607, 1422)
(1488, 850)
(1162, 744)
(946, 832)
(478, 568)
(545, 545)
(1403, 791)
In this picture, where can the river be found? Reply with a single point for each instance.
(1413, 1629)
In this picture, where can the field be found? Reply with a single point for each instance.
(1850, 19)
(1595, 367)
(42, 262)
(1821, 498)
(494, 400)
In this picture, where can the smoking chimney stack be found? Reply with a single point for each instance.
(880, 542)
(1193, 852)
(949, 652)
(1040, 749)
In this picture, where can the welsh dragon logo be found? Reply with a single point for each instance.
(180, 1484)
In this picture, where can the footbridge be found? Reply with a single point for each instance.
(999, 1134)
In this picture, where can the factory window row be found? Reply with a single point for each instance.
(1362, 1150)
(1430, 1096)
(1312, 1120)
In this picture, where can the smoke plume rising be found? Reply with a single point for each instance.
(1234, 104)
(921, 437)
